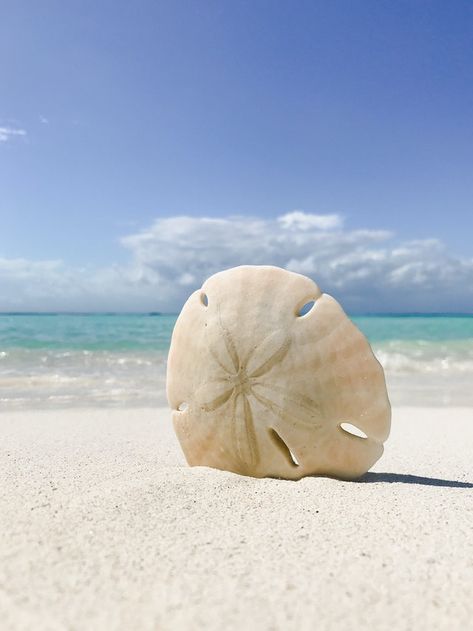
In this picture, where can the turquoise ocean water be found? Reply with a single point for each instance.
(60, 360)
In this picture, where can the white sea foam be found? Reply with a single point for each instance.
(50, 378)
(417, 372)
(426, 357)
(399, 363)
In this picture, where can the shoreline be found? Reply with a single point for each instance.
(105, 527)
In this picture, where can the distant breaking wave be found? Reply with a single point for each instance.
(56, 361)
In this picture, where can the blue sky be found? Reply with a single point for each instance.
(115, 116)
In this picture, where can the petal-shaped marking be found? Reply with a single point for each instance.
(273, 349)
(279, 412)
(229, 344)
(219, 400)
(250, 432)
(219, 354)
(215, 356)
(304, 402)
(243, 433)
(211, 392)
(233, 427)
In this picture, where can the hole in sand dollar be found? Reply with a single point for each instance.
(306, 307)
(204, 299)
(182, 407)
(283, 448)
(353, 430)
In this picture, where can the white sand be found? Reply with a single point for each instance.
(102, 526)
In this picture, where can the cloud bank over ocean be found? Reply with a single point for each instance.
(368, 270)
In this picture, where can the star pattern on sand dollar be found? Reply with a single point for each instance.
(241, 377)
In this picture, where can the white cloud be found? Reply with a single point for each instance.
(367, 270)
(43, 120)
(7, 133)
(187, 279)
(299, 220)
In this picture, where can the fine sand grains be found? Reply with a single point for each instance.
(103, 526)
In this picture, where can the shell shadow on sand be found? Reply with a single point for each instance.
(404, 478)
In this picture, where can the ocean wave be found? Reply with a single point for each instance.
(426, 357)
(58, 378)
(417, 372)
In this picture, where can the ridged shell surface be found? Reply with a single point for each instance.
(257, 389)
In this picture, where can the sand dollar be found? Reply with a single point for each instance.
(261, 388)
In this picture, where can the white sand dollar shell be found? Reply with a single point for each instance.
(257, 389)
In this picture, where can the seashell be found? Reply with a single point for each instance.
(260, 388)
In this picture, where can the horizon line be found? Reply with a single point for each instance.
(176, 313)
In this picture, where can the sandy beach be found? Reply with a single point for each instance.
(105, 527)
